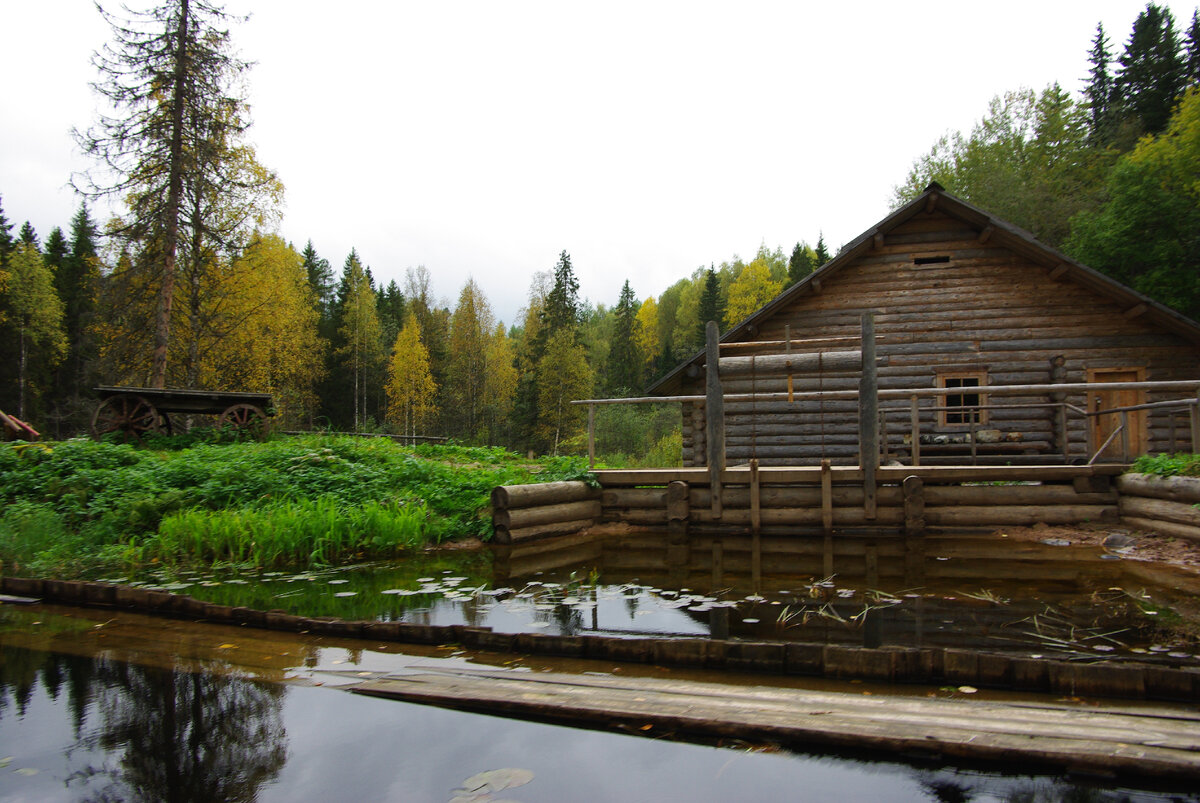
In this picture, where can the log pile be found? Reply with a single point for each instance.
(520, 512)
(1163, 504)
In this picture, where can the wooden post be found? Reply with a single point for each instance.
(1064, 424)
(916, 430)
(914, 505)
(826, 498)
(678, 548)
(973, 418)
(1124, 436)
(883, 435)
(872, 559)
(787, 348)
(1196, 424)
(718, 564)
(868, 416)
(828, 555)
(714, 414)
(755, 529)
(591, 436)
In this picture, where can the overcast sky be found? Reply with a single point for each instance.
(644, 138)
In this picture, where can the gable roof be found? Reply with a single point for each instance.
(998, 231)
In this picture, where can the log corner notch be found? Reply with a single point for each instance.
(522, 512)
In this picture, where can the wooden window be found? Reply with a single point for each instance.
(960, 407)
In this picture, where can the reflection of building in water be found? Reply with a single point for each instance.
(971, 592)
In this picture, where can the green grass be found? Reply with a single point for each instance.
(77, 506)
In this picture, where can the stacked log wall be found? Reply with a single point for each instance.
(1168, 505)
(986, 309)
(521, 512)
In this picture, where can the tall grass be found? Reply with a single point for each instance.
(304, 532)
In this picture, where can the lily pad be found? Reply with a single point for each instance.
(485, 783)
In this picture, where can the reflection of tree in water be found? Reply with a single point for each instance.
(948, 786)
(174, 735)
(189, 735)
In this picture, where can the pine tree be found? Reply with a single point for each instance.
(359, 349)
(1100, 90)
(1152, 72)
(623, 368)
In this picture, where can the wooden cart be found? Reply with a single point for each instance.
(135, 411)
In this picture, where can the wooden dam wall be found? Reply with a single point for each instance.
(902, 500)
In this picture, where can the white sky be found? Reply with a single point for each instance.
(645, 138)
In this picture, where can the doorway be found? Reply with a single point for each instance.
(1123, 447)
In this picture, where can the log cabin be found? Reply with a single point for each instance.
(962, 302)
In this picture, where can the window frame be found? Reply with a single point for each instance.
(949, 418)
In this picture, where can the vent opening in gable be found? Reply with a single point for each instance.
(931, 260)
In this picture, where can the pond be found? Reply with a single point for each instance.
(104, 705)
(983, 592)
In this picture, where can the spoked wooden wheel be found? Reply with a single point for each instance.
(133, 416)
(249, 420)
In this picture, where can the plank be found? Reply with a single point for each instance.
(1147, 741)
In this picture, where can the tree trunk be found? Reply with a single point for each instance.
(21, 376)
(166, 295)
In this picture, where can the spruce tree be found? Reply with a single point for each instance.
(711, 306)
(801, 263)
(1152, 70)
(562, 303)
(1100, 89)
(822, 253)
(1192, 46)
(623, 369)
(320, 279)
(29, 237)
(6, 239)
(77, 281)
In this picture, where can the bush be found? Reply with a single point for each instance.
(1166, 465)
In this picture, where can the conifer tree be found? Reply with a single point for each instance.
(821, 252)
(359, 350)
(1100, 90)
(802, 262)
(6, 239)
(466, 375)
(1152, 72)
(1192, 47)
(623, 368)
(170, 146)
(712, 306)
(29, 237)
(320, 279)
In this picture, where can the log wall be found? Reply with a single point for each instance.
(812, 501)
(985, 309)
(1167, 505)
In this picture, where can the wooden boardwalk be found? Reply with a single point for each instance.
(1157, 741)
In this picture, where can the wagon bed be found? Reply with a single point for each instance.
(135, 411)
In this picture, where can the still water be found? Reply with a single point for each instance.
(964, 592)
(101, 707)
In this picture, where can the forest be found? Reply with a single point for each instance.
(192, 286)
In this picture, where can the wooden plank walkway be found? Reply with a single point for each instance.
(1158, 741)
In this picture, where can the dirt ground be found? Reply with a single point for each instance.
(1144, 545)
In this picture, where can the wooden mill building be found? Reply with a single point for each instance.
(962, 302)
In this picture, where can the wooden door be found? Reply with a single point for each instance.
(1102, 426)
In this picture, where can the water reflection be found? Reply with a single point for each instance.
(148, 733)
(960, 591)
(80, 727)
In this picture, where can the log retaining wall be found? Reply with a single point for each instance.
(1164, 504)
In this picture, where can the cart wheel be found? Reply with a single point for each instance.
(247, 419)
(133, 416)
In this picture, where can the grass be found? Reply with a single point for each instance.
(76, 507)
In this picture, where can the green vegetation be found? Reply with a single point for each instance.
(74, 507)
(1169, 465)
